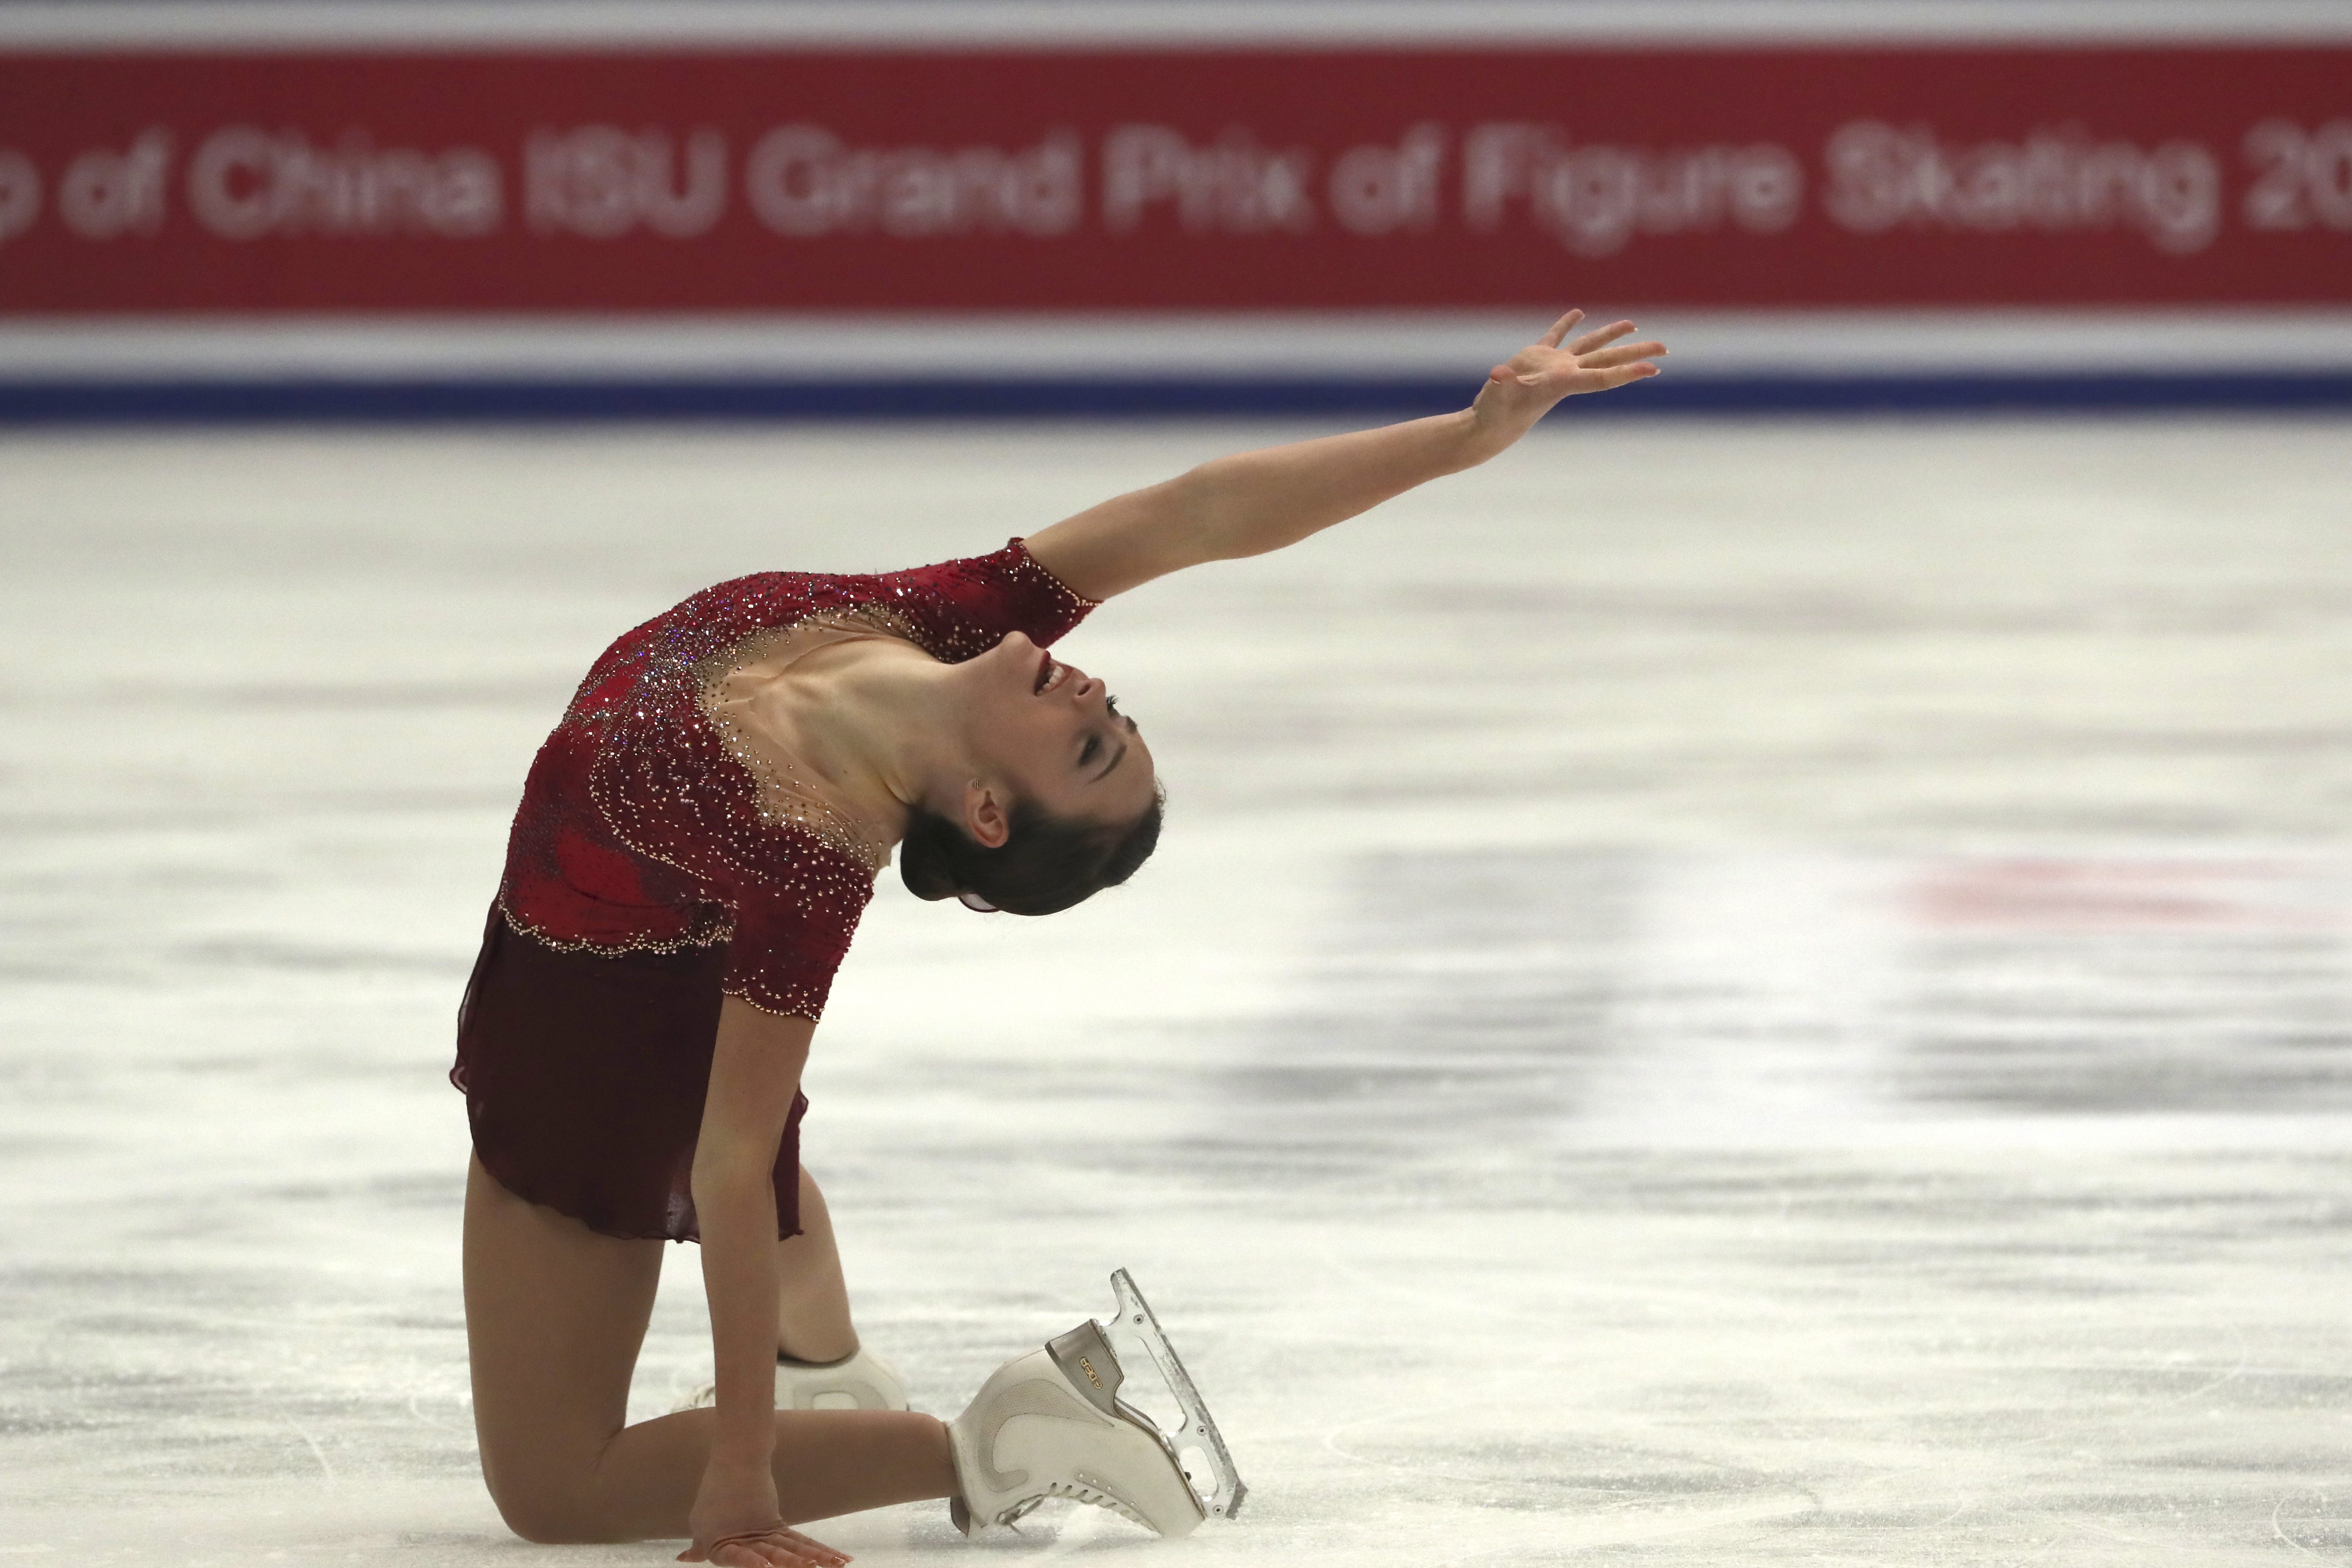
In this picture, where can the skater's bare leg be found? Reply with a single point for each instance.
(554, 1317)
(812, 1307)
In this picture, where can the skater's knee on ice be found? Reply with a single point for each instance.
(547, 1510)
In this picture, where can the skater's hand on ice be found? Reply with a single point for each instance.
(1519, 394)
(779, 1546)
(736, 1524)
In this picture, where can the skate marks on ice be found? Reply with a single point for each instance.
(1693, 1198)
(1998, 1382)
(1758, 1359)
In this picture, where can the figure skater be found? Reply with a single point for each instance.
(695, 842)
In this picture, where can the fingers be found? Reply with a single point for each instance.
(1560, 329)
(761, 1554)
(815, 1549)
(1595, 339)
(778, 1548)
(1597, 362)
(753, 1554)
(1624, 354)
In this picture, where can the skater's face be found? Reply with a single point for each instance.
(1055, 736)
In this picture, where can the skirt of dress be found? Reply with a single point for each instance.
(584, 1077)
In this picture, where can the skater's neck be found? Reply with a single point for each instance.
(879, 724)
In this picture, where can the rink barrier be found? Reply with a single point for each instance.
(352, 402)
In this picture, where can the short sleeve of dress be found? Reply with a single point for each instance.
(960, 608)
(792, 931)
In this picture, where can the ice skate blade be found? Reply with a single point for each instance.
(1198, 1431)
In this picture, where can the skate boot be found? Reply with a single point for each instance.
(1051, 1424)
(859, 1381)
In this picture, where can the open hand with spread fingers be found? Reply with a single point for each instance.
(1523, 391)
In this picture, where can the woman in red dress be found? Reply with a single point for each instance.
(696, 841)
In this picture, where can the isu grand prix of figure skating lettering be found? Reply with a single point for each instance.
(1064, 180)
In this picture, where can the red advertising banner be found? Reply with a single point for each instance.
(1090, 180)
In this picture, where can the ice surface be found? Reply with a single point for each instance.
(1714, 994)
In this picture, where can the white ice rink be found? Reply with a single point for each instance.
(1716, 993)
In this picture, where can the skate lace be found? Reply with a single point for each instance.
(1030, 1505)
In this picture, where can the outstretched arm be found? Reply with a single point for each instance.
(1252, 502)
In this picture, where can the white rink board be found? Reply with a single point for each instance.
(1276, 346)
(1743, 993)
(1146, 23)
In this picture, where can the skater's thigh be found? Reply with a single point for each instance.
(554, 1317)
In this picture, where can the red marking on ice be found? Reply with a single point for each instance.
(2052, 894)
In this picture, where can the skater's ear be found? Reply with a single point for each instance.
(1016, 859)
(986, 815)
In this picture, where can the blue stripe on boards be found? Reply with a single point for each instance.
(174, 402)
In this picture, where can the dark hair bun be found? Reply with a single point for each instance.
(929, 861)
(1045, 865)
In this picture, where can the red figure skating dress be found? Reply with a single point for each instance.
(661, 860)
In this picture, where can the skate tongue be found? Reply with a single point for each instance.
(1085, 1358)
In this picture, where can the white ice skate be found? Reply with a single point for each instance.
(859, 1380)
(1051, 1424)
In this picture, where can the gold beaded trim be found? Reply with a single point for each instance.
(744, 997)
(610, 949)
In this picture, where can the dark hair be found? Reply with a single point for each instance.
(1045, 865)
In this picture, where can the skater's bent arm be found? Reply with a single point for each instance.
(1252, 502)
(755, 1072)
